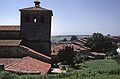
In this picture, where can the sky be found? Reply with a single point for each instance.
(81, 17)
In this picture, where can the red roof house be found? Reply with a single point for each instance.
(98, 55)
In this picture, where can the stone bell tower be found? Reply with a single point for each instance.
(36, 28)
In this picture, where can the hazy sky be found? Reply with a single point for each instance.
(70, 16)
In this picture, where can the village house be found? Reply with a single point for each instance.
(116, 39)
(78, 46)
(118, 49)
(96, 55)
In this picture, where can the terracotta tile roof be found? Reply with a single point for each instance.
(56, 47)
(7, 61)
(29, 65)
(9, 28)
(76, 47)
(83, 41)
(78, 43)
(10, 42)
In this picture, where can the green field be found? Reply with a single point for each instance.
(93, 69)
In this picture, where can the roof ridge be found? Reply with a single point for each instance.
(9, 28)
(9, 25)
(35, 52)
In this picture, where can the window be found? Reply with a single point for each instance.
(35, 20)
(38, 19)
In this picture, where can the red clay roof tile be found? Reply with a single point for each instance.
(7, 61)
(10, 42)
(9, 28)
(29, 65)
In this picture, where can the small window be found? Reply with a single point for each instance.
(35, 20)
(38, 19)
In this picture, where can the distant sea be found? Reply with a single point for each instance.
(68, 37)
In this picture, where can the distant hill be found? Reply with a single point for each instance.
(68, 37)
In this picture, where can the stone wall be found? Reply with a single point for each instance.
(36, 35)
(20, 52)
(39, 46)
(11, 52)
(10, 35)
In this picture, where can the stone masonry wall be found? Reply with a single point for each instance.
(20, 52)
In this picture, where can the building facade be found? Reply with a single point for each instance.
(36, 28)
(30, 42)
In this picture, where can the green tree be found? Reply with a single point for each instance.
(64, 40)
(100, 43)
(79, 57)
(66, 54)
(73, 38)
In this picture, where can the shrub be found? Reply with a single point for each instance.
(7, 75)
(66, 55)
(74, 38)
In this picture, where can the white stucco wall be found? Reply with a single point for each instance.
(118, 50)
